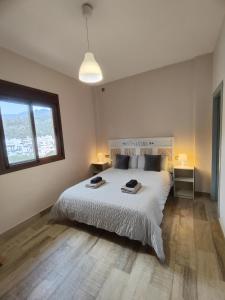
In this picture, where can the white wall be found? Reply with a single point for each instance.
(202, 89)
(171, 101)
(218, 76)
(25, 193)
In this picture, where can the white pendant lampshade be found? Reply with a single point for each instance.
(90, 71)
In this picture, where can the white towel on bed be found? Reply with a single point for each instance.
(134, 190)
(95, 185)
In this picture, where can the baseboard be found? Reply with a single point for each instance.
(202, 194)
(222, 227)
(20, 226)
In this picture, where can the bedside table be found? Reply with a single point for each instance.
(184, 182)
(98, 167)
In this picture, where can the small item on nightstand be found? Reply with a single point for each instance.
(100, 157)
(183, 159)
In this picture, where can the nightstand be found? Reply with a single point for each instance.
(184, 182)
(98, 167)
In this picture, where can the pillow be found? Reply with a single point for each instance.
(164, 163)
(141, 162)
(114, 161)
(133, 162)
(122, 161)
(152, 163)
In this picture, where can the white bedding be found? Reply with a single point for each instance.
(135, 216)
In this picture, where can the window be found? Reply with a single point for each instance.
(45, 132)
(30, 127)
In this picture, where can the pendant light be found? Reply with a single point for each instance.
(90, 71)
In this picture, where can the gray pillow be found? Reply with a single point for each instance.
(122, 161)
(152, 163)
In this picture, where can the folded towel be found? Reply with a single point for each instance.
(95, 185)
(96, 179)
(132, 183)
(134, 190)
(131, 188)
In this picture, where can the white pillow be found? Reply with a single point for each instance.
(164, 163)
(141, 162)
(133, 162)
(113, 161)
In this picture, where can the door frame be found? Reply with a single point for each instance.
(218, 93)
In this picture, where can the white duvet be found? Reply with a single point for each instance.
(135, 216)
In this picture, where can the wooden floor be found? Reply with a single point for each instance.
(65, 261)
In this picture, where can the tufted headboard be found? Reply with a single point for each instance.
(141, 146)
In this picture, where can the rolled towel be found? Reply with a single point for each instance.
(132, 183)
(134, 190)
(95, 185)
(96, 179)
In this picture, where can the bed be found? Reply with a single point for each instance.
(137, 216)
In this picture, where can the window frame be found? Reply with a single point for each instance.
(16, 93)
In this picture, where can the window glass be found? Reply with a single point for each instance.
(18, 133)
(44, 125)
(30, 127)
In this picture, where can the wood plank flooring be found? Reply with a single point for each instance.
(74, 261)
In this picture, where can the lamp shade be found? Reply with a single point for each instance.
(90, 71)
(182, 158)
(100, 157)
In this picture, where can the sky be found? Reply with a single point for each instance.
(15, 108)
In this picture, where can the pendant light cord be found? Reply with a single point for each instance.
(86, 23)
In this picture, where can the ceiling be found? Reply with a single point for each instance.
(127, 36)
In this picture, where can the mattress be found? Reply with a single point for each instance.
(137, 216)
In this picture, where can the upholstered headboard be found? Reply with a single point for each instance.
(141, 146)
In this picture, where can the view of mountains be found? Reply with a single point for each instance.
(19, 125)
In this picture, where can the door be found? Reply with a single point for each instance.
(216, 141)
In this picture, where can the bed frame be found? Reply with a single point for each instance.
(141, 146)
